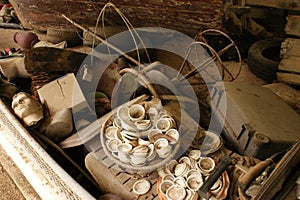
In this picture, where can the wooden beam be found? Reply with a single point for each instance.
(288, 78)
(281, 4)
(291, 65)
(293, 25)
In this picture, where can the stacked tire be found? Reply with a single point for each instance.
(71, 35)
(264, 57)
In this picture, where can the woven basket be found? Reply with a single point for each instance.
(151, 165)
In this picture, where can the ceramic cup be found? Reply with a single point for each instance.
(123, 152)
(206, 165)
(173, 133)
(136, 112)
(162, 147)
(163, 124)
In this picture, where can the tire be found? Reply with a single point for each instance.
(72, 36)
(263, 58)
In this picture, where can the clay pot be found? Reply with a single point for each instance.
(26, 39)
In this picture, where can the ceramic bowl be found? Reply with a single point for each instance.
(186, 160)
(169, 177)
(163, 124)
(141, 187)
(194, 183)
(117, 123)
(206, 165)
(176, 192)
(165, 185)
(170, 168)
(193, 172)
(181, 169)
(195, 154)
(113, 144)
(124, 148)
(180, 181)
(111, 132)
(143, 125)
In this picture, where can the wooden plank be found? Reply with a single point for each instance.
(106, 180)
(288, 78)
(291, 64)
(129, 183)
(123, 177)
(149, 195)
(293, 25)
(290, 47)
(281, 4)
(186, 16)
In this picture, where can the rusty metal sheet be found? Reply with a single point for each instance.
(185, 16)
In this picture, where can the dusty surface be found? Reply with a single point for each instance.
(8, 189)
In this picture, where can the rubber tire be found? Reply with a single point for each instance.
(261, 66)
(72, 36)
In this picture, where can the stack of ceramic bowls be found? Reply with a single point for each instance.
(183, 178)
(140, 133)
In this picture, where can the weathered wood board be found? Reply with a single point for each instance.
(186, 16)
(289, 66)
(281, 4)
(293, 25)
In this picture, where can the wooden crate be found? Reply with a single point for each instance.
(289, 67)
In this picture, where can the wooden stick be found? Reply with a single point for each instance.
(103, 41)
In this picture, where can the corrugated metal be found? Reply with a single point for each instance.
(186, 16)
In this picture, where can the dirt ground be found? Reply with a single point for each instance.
(8, 189)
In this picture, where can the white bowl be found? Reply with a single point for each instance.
(195, 154)
(143, 125)
(194, 183)
(165, 185)
(206, 165)
(111, 132)
(113, 144)
(176, 192)
(141, 187)
(163, 124)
